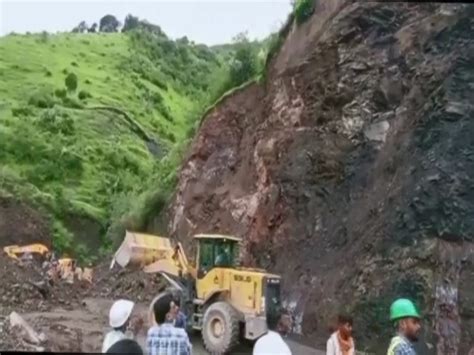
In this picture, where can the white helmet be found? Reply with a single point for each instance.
(120, 312)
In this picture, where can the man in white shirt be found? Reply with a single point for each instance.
(341, 341)
(272, 343)
(119, 318)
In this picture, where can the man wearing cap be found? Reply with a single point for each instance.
(119, 317)
(407, 318)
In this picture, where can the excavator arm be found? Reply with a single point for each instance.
(180, 257)
(14, 251)
(153, 254)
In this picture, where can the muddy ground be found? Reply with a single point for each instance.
(83, 328)
(74, 318)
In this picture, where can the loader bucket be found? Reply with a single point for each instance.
(142, 249)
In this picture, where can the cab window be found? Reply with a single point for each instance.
(217, 253)
(206, 255)
(225, 254)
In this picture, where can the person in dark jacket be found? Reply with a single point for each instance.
(163, 337)
(180, 320)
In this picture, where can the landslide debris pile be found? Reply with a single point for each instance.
(17, 291)
(60, 310)
(126, 283)
(23, 291)
(350, 171)
(25, 288)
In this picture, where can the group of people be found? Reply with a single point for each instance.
(405, 317)
(167, 335)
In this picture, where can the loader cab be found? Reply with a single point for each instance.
(216, 251)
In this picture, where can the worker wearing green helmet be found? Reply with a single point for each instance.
(407, 319)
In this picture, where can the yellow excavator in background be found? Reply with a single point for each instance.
(16, 251)
(64, 268)
(221, 299)
(68, 270)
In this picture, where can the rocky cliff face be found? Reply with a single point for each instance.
(351, 170)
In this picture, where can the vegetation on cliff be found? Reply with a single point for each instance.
(92, 125)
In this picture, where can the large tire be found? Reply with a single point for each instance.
(220, 328)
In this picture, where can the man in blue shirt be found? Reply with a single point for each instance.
(163, 338)
(180, 320)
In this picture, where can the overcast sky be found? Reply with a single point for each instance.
(204, 21)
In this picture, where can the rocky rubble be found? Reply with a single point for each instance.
(25, 288)
(65, 305)
(125, 283)
(350, 171)
(12, 339)
(18, 290)
(53, 337)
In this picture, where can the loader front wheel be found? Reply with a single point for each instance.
(220, 328)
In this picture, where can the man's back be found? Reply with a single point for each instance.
(271, 344)
(400, 346)
(167, 340)
(111, 338)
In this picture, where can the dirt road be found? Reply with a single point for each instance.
(83, 329)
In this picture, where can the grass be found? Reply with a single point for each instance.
(303, 9)
(65, 157)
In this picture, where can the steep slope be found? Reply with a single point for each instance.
(350, 171)
(85, 156)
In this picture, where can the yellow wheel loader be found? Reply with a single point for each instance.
(223, 300)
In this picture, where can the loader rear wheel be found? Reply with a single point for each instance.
(220, 328)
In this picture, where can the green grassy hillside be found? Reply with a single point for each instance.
(102, 156)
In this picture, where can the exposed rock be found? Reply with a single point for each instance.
(22, 224)
(377, 131)
(392, 89)
(351, 170)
